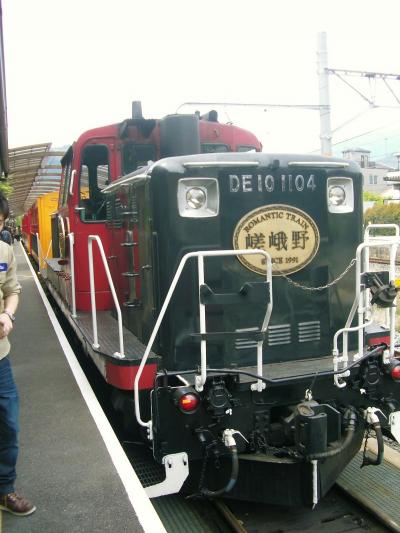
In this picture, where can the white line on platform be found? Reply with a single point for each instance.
(142, 505)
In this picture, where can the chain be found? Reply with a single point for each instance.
(367, 436)
(322, 287)
(204, 466)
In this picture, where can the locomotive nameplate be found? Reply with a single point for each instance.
(288, 234)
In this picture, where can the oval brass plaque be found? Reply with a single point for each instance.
(288, 234)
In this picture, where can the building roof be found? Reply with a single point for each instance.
(34, 170)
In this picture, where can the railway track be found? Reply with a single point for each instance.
(335, 513)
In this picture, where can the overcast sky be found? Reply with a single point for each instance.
(77, 64)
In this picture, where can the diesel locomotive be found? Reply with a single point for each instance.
(227, 299)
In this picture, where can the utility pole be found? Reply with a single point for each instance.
(324, 104)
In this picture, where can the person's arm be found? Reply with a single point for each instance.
(11, 303)
(10, 289)
(10, 306)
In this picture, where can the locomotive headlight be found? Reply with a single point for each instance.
(340, 195)
(198, 197)
(337, 195)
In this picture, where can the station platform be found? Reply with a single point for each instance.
(71, 465)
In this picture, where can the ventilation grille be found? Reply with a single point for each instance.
(113, 207)
(309, 331)
(276, 335)
(279, 334)
(243, 343)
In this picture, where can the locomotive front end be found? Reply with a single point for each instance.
(267, 384)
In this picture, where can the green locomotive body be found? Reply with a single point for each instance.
(249, 281)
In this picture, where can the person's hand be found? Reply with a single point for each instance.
(6, 325)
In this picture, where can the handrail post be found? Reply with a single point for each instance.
(92, 295)
(71, 238)
(201, 379)
(392, 277)
(39, 247)
(91, 238)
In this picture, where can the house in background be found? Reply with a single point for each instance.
(392, 179)
(374, 173)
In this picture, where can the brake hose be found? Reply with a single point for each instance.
(232, 481)
(351, 422)
(369, 458)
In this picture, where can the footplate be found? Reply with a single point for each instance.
(176, 471)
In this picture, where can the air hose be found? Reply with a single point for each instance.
(230, 443)
(232, 481)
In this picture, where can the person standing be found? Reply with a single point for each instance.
(10, 289)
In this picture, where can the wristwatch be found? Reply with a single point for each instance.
(9, 314)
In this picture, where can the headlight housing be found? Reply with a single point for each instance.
(340, 195)
(198, 197)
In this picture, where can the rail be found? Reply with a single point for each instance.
(71, 238)
(393, 241)
(91, 238)
(201, 378)
(39, 252)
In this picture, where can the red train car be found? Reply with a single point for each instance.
(102, 155)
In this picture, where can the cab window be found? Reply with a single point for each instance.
(246, 148)
(94, 176)
(213, 148)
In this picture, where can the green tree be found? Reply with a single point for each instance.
(383, 214)
(6, 188)
(372, 197)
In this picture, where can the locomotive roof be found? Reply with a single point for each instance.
(236, 159)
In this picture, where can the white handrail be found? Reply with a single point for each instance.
(39, 247)
(96, 238)
(381, 226)
(200, 380)
(360, 303)
(71, 185)
(392, 277)
(71, 238)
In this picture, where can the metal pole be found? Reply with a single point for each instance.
(71, 237)
(92, 295)
(325, 112)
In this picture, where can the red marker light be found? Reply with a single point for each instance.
(395, 373)
(189, 402)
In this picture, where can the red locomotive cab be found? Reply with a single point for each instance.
(217, 137)
(98, 158)
(87, 168)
